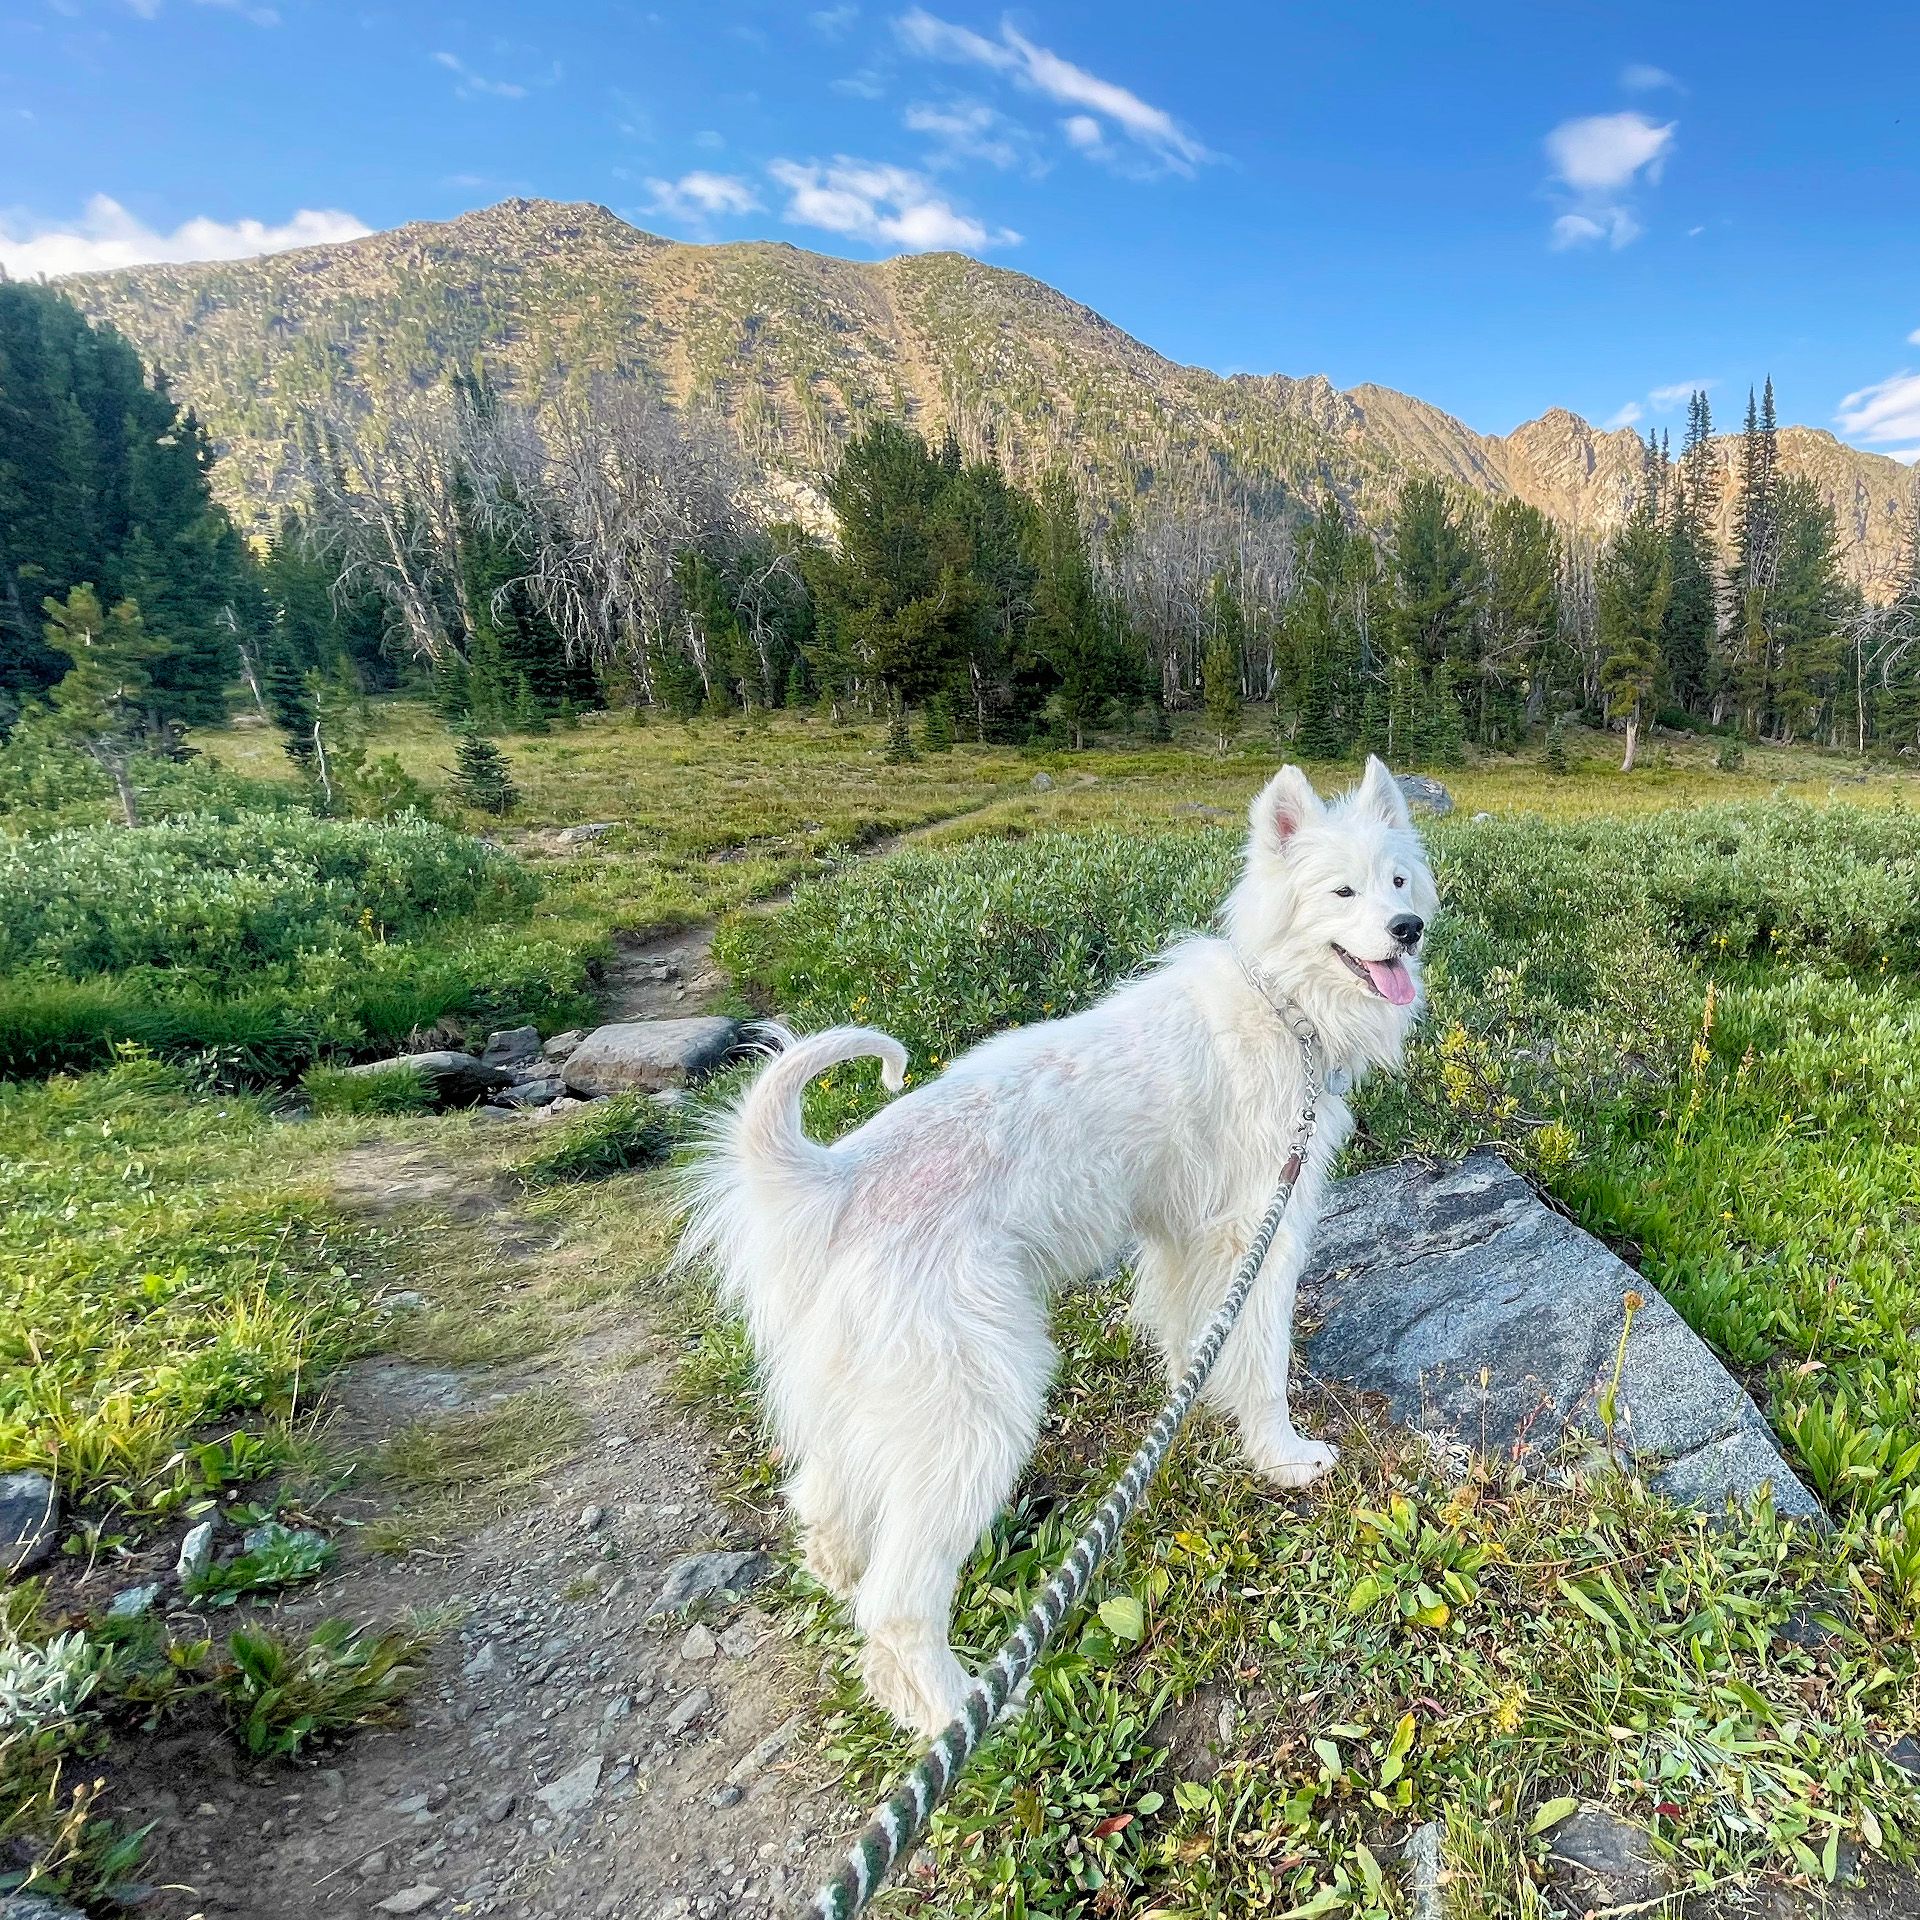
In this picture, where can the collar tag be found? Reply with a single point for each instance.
(1339, 1082)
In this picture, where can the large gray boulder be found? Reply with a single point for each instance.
(645, 1056)
(453, 1079)
(29, 1522)
(1488, 1320)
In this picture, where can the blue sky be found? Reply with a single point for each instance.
(1500, 208)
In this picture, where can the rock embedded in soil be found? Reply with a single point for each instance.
(1597, 1861)
(1490, 1322)
(36, 1906)
(196, 1552)
(696, 1575)
(645, 1056)
(510, 1046)
(451, 1079)
(29, 1521)
(410, 1900)
(574, 1790)
(541, 1091)
(131, 1602)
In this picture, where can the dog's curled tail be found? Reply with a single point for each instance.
(757, 1174)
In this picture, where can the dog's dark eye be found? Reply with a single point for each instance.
(1399, 879)
(1343, 893)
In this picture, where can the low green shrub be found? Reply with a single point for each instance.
(251, 948)
(401, 1089)
(611, 1136)
(286, 1694)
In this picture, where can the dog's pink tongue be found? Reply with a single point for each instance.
(1392, 981)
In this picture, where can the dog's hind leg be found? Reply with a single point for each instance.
(943, 1474)
(833, 1541)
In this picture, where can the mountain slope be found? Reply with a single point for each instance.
(796, 347)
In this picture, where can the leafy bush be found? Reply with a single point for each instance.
(274, 1556)
(223, 900)
(252, 947)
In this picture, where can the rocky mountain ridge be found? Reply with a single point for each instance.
(796, 347)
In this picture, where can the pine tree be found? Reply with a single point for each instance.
(936, 725)
(1806, 609)
(1441, 732)
(1519, 619)
(1688, 633)
(482, 778)
(1072, 630)
(1220, 689)
(899, 748)
(102, 703)
(1438, 577)
(103, 482)
(1633, 586)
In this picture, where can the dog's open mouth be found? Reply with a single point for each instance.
(1390, 979)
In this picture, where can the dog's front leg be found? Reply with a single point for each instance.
(1250, 1381)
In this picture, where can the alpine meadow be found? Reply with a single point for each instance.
(456, 679)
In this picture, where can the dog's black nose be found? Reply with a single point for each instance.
(1407, 929)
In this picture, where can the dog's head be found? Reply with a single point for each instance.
(1333, 906)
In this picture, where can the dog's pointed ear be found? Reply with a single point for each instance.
(1379, 797)
(1280, 809)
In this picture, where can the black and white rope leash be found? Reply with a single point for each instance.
(898, 1822)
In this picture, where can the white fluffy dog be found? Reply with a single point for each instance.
(896, 1283)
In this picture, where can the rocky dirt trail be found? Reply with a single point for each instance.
(580, 1745)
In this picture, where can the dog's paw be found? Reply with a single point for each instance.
(1295, 1461)
(923, 1693)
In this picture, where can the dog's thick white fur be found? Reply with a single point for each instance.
(896, 1283)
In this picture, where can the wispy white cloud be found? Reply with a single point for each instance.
(1615, 225)
(1641, 78)
(1598, 162)
(864, 83)
(1887, 410)
(1665, 399)
(1625, 417)
(968, 130)
(1913, 339)
(249, 10)
(833, 22)
(107, 235)
(1151, 130)
(879, 204)
(258, 15)
(698, 197)
(1608, 152)
(469, 85)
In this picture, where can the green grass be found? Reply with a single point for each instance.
(167, 1277)
(453, 1473)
